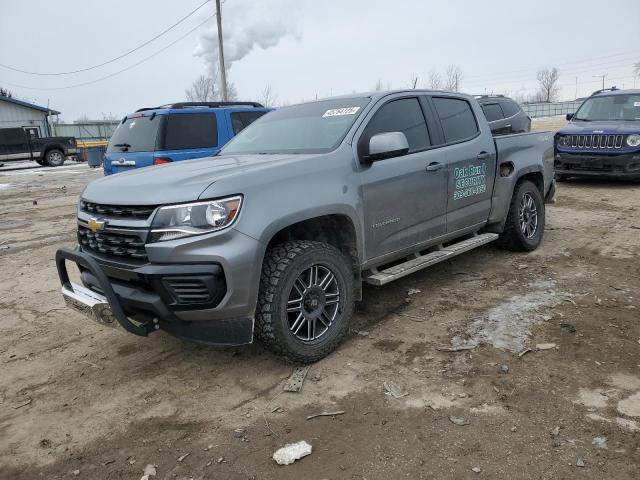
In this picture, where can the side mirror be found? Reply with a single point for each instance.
(569, 116)
(387, 145)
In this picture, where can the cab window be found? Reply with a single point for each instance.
(404, 115)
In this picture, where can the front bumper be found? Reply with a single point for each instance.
(187, 300)
(585, 165)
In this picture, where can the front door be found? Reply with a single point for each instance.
(471, 164)
(404, 197)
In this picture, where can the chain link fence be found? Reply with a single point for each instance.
(86, 131)
(535, 110)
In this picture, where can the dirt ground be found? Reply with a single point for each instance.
(81, 401)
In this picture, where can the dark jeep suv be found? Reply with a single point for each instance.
(504, 115)
(602, 137)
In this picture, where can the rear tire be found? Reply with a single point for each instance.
(54, 158)
(524, 228)
(305, 302)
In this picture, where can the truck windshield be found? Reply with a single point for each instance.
(610, 107)
(137, 134)
(316, 127)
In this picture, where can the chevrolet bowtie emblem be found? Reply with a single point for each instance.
(96, 225)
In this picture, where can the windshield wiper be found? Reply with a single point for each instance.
(126, 145)
(581, 119)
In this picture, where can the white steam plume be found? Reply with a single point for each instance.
(247, 25)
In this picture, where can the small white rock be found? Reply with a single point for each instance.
(182, 457)
(292, 452)
(476, 469)
(600, 442)
(545, 346)
(413, 291)
(75, 473)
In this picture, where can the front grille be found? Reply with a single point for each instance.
(112, 244)
(595, 142)
(189, 290)
(138, 212)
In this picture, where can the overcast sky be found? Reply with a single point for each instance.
(304, 48)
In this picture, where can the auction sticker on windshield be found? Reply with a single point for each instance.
(335, 112)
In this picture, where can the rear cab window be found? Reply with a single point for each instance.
(184, 131)
(402, 115)
(241, 120)
(492, 111)
(457, 119)
(136, 134)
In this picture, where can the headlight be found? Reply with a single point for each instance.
(633, 140)
(178, 221)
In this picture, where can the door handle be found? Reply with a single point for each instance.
(483, 156)
(434, 166)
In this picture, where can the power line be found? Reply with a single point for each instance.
(113, 59)
(119, 71)
(631, 53)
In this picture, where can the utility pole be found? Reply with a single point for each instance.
(576, 89)
(600, 76)
(223, 72)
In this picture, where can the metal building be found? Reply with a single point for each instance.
(33, 118)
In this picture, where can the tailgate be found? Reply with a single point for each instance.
(116, 162)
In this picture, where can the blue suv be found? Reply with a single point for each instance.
(602, 137)
(180, 131)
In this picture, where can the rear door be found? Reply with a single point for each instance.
(133, 143)
(515, 118)
(404, 197)
(471, 163)
(188, 135)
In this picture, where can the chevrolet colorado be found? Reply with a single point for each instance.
(274, 237)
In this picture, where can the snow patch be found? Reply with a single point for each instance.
(630, 406)
(507, 326)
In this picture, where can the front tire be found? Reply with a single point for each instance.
(524, 228)
(305, 302)
(54, 158)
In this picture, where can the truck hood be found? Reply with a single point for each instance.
(177, 182)
(620, 127)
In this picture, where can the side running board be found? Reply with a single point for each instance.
(381, 277)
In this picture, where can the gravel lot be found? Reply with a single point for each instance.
(80, 401)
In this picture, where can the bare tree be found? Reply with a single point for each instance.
(203, 89)
(109, 117)
(548, 85)
(269, 97)
(382, 86)
(636, 69)
(435, 80)
(5, 93)
(232, 93)
(454, 78)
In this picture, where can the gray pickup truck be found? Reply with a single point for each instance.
(274, 237)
